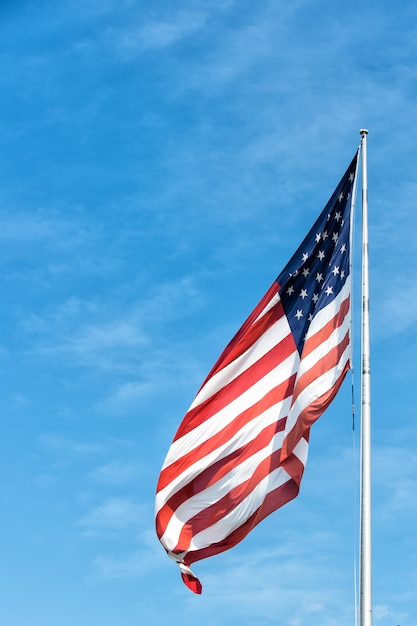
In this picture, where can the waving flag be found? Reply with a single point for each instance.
(241, 449)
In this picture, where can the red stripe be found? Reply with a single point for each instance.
(316, 408)
(224, 358)
(225, 505)
(192, 582)
(216, 472)
(232, 390)
(274, 396)
(274, 500)
(238, 346)
(310, 414)
(324, 333)
(323, 365)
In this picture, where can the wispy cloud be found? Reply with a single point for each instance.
(116, 473)
(149, 30)
(129, 566)
(98, 346)
(29, 229)
(162, 33)
(52, 247)
(58, 443)
(393, 255)
(259, 585)
(126, 397)
(114, 515)
(170, 370)
(398, 307)
(136, 563)
(102, 336)
(395, 471)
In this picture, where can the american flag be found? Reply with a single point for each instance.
(241, 449)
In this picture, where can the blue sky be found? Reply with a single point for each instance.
(160, 163)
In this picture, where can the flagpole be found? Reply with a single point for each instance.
(365, 557)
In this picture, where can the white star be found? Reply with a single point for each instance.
(324, 235)
(310, 317)
(335, 270)
(342, 274)
(328, 290)
(351, 177)
(335, 237)
(338, 216)
(305, 257)
(305, 272)
(315, 298)
(343, 248)
(303, 293)
(299, 314)
(321, 255)
(319, 277)
(318, 237)
(341, 196)
(290, 290)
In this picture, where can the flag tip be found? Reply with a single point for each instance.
(363, 131)
(189, 579)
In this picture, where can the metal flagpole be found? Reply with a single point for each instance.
(365, 557)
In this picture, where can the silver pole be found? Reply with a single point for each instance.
(365, 557)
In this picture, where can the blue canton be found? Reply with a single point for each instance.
(318, 270)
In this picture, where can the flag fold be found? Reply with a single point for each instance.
(241, 449)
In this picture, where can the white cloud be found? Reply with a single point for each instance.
(381, 611)
(133, 564)
(116, 473)
(106, 345)
(300, 588)
(94, 339)
(160, 33)
(125, 398)
(154, 30)
(386, 614)
(130, 566)
(101, 336)
(395, 473)
(112, 515)
(61, 444)
(164, 373)
(398, 308)
(27, 229)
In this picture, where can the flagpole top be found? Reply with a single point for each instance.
(363, 132)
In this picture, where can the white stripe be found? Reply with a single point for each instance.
(274, 300)
(200, 501)
(333, 340)
(247, 433)
(325, 314)
(316, 389)
(185, 570)
(241, 513)
(276, 333)
(282, 372)
(270, 338)
(249, 505)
